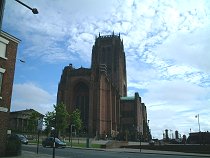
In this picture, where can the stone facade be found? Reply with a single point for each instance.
(96, 91)
(8, 48)
(19, 120)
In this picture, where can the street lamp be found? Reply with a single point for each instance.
(140, 138)
(39, 129)
(197, 116)
(72, 125)
(34, 10)
(53, 131)
(148, 131)
(54, 135)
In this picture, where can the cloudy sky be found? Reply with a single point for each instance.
(166, 45)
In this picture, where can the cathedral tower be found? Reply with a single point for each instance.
(100, 92)
(108, 51)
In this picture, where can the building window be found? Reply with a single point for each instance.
(3, 46)
(1, 80)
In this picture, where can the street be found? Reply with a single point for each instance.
(91, 153)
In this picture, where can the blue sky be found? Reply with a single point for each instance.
(166, 45)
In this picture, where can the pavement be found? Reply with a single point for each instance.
(145, 151)
(27, 154)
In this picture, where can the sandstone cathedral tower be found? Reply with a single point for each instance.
(100, 93)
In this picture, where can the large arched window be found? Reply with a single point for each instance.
(81, 99)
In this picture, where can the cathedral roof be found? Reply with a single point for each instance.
(127, 98)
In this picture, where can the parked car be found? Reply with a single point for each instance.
(19, 137)
(50, 141)
(152, 142)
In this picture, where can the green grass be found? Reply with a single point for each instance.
(74, 144)
(83, 145)
(33, 142)
(95, 145)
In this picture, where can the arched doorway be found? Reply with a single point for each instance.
(81, 102)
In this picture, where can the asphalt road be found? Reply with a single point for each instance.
(87, 153)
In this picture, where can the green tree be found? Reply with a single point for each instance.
(76, 120)
(49, 120)
(61, 118)
(56, 119)
(32, 122)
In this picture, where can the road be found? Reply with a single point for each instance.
(88, 153)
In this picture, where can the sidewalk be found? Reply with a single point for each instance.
(144, 151)
(27, 154)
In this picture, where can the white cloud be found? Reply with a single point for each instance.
(191, 49)
(179, 69)
(175, 91)
(173, 105)
(166, 45)
(30, 96)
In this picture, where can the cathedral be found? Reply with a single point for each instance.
(100, 93)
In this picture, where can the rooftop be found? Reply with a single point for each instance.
(127, 98)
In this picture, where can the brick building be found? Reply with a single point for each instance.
(8, 51)
(97, 91)
(133, 119)
(2, 4)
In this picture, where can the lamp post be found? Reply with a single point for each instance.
(22, 61)
(199, 139)
(34, 10)
(148, 132)
(55, 134)
(72, 125)
(197, 116)
(39, 128)
(140, 138)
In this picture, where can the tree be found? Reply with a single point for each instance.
(76, 120)
(56, 119)
(32, 122)
(61, 117)
(49, 120)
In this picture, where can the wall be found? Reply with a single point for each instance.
(8, 64)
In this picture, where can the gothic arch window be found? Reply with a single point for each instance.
(81, 91)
